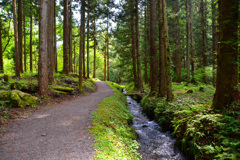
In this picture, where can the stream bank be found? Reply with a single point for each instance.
(155, 144)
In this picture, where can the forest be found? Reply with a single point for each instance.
(179, 59)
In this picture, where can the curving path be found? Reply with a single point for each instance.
(56, 133)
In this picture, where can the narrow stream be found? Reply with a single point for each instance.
(155, 144)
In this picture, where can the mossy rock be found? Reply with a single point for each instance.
(63, 90)
(33, 88)
(21, 99)
(4, 95)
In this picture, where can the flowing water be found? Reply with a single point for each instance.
(155, 144)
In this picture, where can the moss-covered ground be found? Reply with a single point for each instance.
(29, 84)
(200, 132)
(114, 139)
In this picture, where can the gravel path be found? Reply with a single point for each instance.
(56, 133)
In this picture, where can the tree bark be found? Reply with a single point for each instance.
(74, 56)
(177, 53)
(188, 43)
(162, 76)
(94, 61)
(70, 37)
(107, 50)
(20, 16)
(55, 40)
(153, 48)
(31, 59)
(191, 40)
(105, 61)
(145, 44)
(82, 44)
(17, 67)
(25, 53)
(133, 47)
(214, 39)
(227, 68)
(1, 52)
(203, 24)
(167, 54)
(50, 42)
(65, 38)
(43, 48)
(88, 45)
(139, 71)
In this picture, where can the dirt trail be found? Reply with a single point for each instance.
(56, 133)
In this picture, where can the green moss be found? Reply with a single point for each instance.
(63, 89)
(114, 139)
(4, 95)
(21, 99)
(89, 84)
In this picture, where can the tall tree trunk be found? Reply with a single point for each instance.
(191, 40)
(107, 50)
(203, 24)
(70, 37)
(162, 76)
(82, 44)
(177, 42)
(17, 67)
(145, 44)
(139, 71)
(50, 42)
(105, 61)
(167, 54)
(227, 68)
(94, 61)
(84, 64)
(188, 43)
(88, 45)
(74, 56)
(133, 47)
(31, 59)
(55, 40)
(153, 48)
(214, 38)
(1, 52)
(43, 48)
(20, 16)
(65, 38)
(25, 53)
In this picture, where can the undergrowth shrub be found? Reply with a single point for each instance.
(200, 132)
(114, 139)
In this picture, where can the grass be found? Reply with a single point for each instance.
(201, 133)
(114, 139)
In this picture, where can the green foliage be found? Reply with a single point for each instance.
(198, 75)
(114, 139)
(201, 133)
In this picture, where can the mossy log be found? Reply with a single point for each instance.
(63, 90)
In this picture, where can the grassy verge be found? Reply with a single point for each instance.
(201, 133)
(114, 139)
